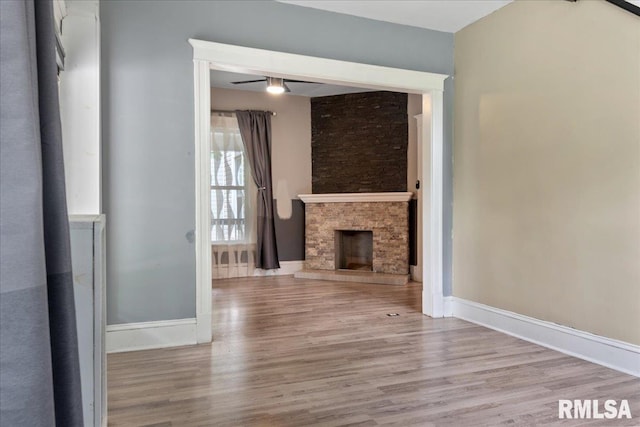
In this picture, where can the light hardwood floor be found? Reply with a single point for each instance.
(295, 352)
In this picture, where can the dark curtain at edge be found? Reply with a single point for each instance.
(39, 365)
(255, 129)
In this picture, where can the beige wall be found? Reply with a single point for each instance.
(547, 164)
(291, 136)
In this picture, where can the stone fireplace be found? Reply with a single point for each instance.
(376, 220)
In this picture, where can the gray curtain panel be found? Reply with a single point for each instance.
(255, 129)
(39, 368)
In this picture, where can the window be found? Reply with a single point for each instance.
(229, 183)
(59, 12)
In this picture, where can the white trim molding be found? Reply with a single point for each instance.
(608, 352)
(447, 306)
(431, 203)
(356, 197)
(249, 60)
(201, 78)
(217, 56)
(418, 194)
(148, 335)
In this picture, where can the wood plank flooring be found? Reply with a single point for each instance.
(295, 352)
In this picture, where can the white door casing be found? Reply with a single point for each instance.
(212, 55)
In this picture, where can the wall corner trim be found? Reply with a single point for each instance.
(149, 335)
(614, 354)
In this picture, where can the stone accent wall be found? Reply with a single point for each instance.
(359, 143)
(388, 221)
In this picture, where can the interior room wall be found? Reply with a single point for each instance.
(547, 165)
(290, 158)
(148, 123)
(290, 129)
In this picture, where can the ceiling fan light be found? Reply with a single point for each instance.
(275, 85)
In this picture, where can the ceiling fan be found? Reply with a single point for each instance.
(275, 85)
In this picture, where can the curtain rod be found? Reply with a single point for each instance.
(233, 112)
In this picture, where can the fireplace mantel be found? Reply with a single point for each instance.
(356, 197)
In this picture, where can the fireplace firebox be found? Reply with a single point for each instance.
(354, 250)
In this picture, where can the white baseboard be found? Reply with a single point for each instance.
(286, 268)
(416, 273)
(204, 327)
(148, 335)
(447, 309)
(608, 352)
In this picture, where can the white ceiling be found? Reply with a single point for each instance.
(442, 15)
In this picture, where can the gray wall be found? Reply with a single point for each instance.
(290, 233)
(147, 127)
